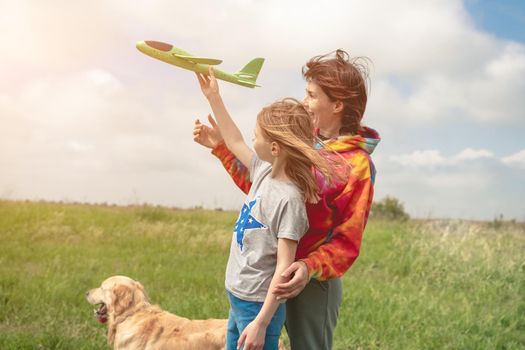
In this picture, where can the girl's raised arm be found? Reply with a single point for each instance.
(229, 130)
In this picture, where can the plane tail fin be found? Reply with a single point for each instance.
(250, 72)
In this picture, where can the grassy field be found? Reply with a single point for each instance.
(417, 285)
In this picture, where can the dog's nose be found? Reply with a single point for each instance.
(87, 293)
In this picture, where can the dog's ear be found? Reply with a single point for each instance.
(122, 299)
(140, 293)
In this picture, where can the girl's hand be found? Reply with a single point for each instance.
(208, 136)
(252, 336)
(208, 83)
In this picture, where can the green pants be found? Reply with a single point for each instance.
(312, 315)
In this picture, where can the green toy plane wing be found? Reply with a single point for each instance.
(201, 60)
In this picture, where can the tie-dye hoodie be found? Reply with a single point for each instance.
(332, 242)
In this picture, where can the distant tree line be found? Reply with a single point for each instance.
(389, 208)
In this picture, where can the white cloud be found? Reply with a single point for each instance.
(508, 63)
(471, 154)
(471, 189)
(489, 91)
(432, 158)
(516, 159)
(420, 158)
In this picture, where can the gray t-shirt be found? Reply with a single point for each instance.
(273, 209)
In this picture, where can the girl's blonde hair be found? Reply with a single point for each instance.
(288, 123)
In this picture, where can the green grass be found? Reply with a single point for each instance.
(417, 285)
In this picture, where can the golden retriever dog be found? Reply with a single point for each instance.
(133, 323)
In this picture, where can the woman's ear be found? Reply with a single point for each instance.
(338, 107)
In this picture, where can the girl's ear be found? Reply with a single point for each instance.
(276, 149)
(338, 107)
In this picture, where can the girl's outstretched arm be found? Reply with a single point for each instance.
(229, 130)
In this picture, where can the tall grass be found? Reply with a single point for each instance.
(417, 285)
(453, 285)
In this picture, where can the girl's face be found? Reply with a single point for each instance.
(319, 105)
(262, 147)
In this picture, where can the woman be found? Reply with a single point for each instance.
(336, 96)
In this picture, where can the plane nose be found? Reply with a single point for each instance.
(159, 45)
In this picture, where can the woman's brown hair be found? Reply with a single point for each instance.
(342, 79)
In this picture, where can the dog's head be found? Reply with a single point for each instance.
(118, 295)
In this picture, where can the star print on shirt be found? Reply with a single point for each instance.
(246, 221)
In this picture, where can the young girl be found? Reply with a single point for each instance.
(273, 217)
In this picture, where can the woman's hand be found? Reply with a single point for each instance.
(252, 336)
(207, 136)
(208, 83)
(292, 288)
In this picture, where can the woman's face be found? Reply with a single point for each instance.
(319, 105)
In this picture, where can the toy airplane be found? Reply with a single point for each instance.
(173, 55)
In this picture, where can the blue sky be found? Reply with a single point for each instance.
(505, 18)
(86, 117)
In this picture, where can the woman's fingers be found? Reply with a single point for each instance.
(198, 130)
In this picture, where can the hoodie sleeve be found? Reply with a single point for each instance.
(238, 172)
(333, 258)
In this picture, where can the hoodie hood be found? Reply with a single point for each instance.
(367, 140)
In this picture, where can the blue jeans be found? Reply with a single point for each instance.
(243, 312)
